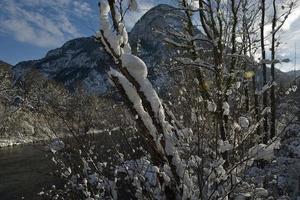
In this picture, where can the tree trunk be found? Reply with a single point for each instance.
(264, 66)
(273, 97)
(256, 105)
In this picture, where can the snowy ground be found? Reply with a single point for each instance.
(281, 176)
(8, 142)
(23, 139)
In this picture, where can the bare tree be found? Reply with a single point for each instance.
(277, 23)
(264, 67)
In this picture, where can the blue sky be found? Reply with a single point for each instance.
(30, 28)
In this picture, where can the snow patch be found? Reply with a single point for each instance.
(244, 122)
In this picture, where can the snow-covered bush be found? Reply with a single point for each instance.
(204, 154)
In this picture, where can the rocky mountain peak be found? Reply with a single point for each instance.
(151, 29)
(83, 62)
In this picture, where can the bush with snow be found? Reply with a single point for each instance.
(202, 156)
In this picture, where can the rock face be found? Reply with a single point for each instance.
(5, 69)
(147, 36)
(6, 75)
(83, 62)
(78, 62)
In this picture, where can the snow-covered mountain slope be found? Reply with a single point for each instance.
(79, 61)
(83, 62)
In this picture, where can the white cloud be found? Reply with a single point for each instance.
(53, 3)
(44, 23)
(23, 32)
(57, 20)
(292, 18)
(288, 37)
(82, 8)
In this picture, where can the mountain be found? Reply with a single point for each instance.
(6, 75)
(294, 74)
(281, 78)
(148, 34)
(79, 61)
(2, 63)
(5, 66)
(83, 62)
